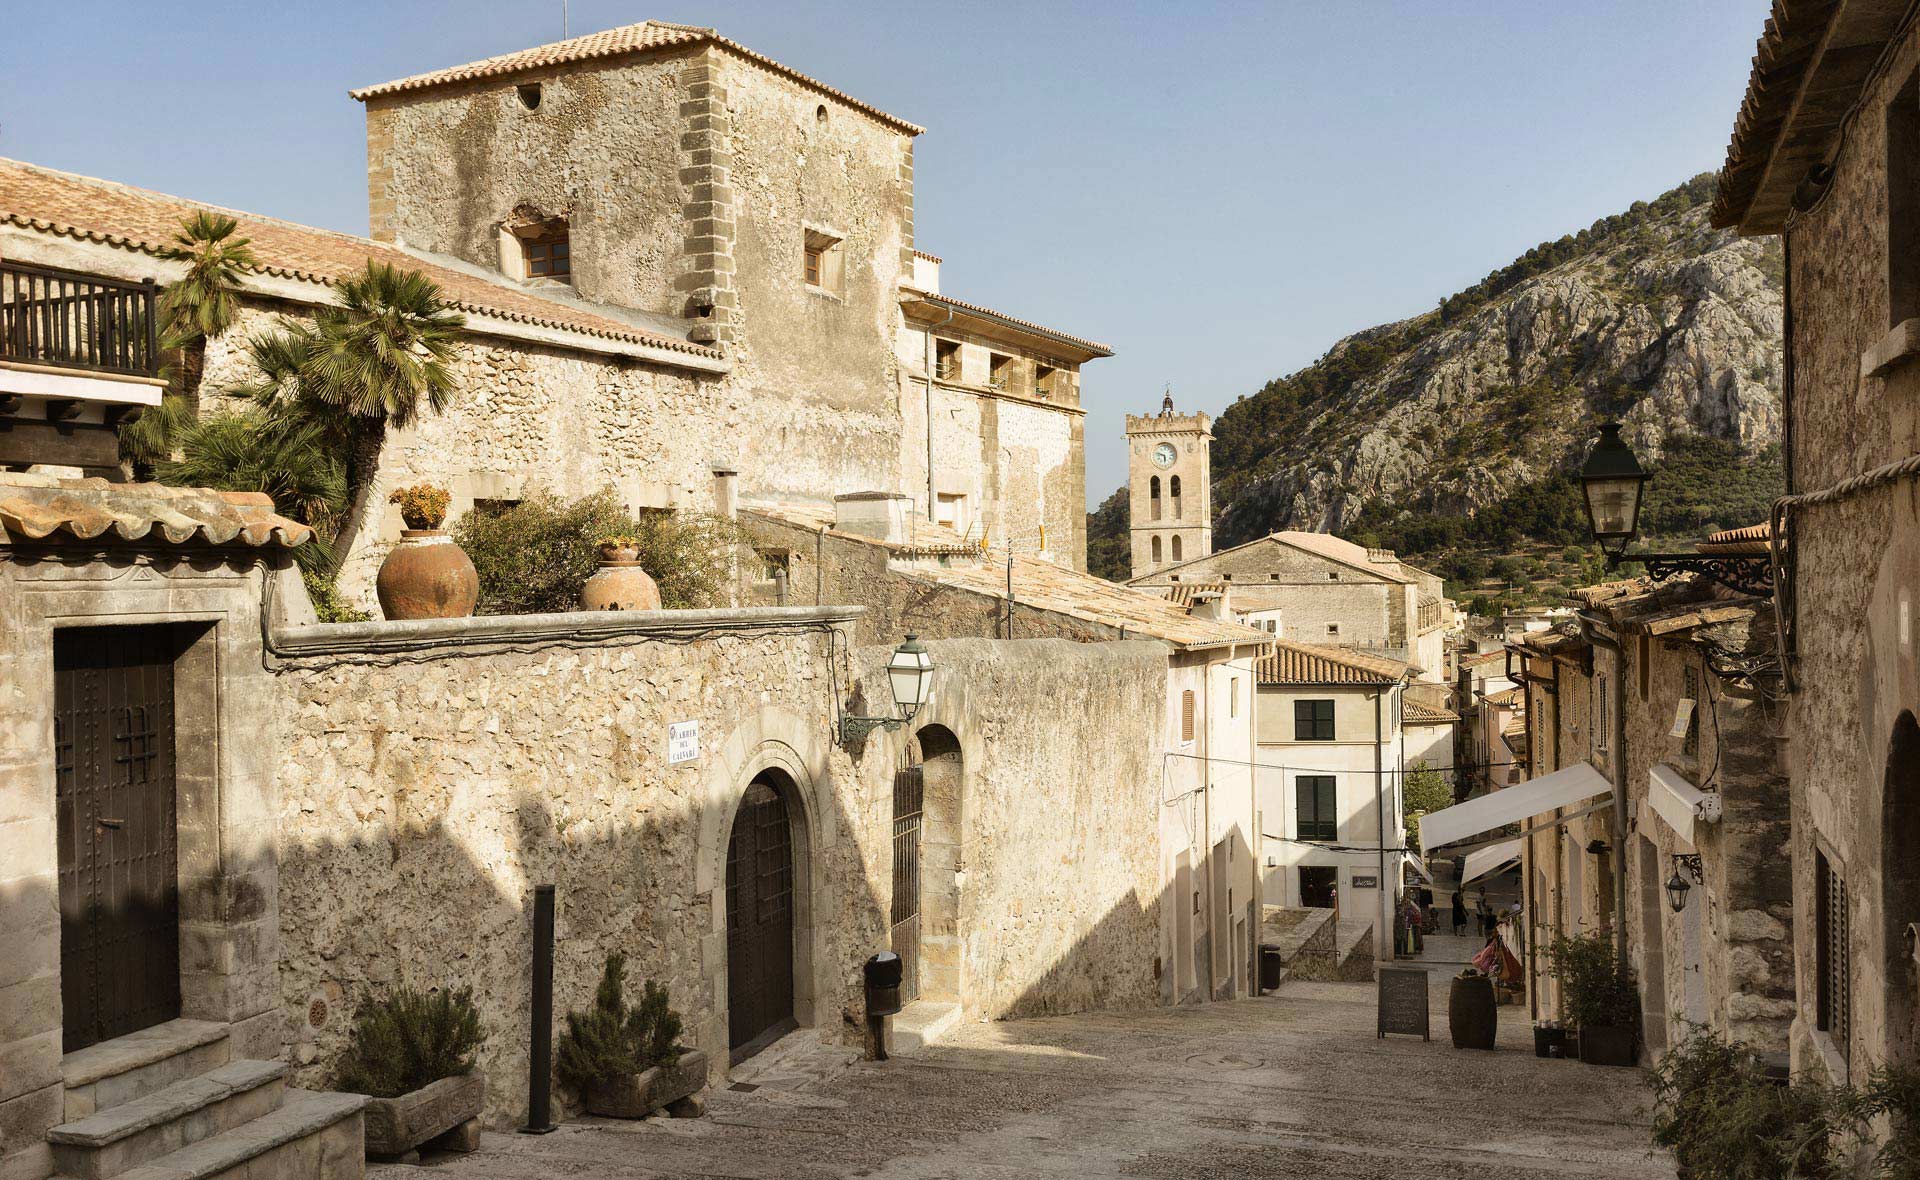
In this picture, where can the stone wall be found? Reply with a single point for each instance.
(424, 794)
(1855, 564)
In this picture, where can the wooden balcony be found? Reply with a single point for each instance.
(62, 319)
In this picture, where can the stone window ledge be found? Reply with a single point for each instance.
(587, 626)
(1895, 349)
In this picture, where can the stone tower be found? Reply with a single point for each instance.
(1169, 487)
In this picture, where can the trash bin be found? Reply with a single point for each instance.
(883, 973)
(1270, 964)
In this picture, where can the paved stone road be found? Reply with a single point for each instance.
(1290, 1085)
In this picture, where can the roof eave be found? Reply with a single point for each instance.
(1072, 347)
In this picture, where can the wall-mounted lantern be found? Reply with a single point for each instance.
(910, 678)
(1613, 483)
(1677, 886)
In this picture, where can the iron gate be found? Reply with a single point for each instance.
(114, 803)
(909, 801)
(759, 923)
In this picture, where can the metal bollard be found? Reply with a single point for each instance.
(540, 1042)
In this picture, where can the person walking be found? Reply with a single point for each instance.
(1459, 915)
(1485, 914)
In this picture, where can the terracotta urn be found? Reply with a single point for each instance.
(620, 583)
(427, 576)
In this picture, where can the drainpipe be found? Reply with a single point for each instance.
(1619, 778)
(929, 369)
(1385, 931)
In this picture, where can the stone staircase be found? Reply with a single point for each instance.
(170, 1103)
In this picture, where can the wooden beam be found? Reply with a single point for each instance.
(64, 445)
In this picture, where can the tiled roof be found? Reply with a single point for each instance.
(143, 221)
(1182, 593)
(1307, 663)
(641, 38)
(1415, 713)
(1749, 541)
(1515, 728)
(38, 507)
(1093, 347)
(1507, 696)
(926, 537)
(927, 256)
(1497, 655)
(1319, 544)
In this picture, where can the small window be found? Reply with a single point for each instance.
(1333, 575)
(1316, 798)
(946, 360)
(1834, 957)
(1046, 381)
(820, 114)
(1157, 559)
(1333, 630)
(1233, 696)
(1173, 577)
(1186, 716)
(1273, 577)
(529, 93)
(1173, 493)
(1601, 727)
(549, 256)
(1903, 203)
(1313, 721)
(1153, 498)
(1176, 549)
(822, 262)
(999, 371)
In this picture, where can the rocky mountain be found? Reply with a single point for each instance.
(1651, 316)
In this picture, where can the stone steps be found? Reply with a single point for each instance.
(313, 1136)
(111, 1141)
(922, 1023)
(141, 1063)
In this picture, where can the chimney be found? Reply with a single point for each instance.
(884, 516)
(726, 490)
(1210, 604)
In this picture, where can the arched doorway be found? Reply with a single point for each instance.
(760, 917)
(937, 861)
(1900, 835)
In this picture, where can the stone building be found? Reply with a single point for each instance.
(1825, 153)
(917, 577)
(1318, 589)
(1333, 755)
(1169, 488)
(1664, 690)
(688, 273)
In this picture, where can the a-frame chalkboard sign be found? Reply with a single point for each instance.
(1403, 1002)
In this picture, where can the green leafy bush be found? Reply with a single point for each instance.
(1724, 1120)
(533, 558)
(1891, 1095)
(611, 1039)
(407, 1039)
(1595, 991)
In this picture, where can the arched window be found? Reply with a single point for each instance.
(1900, 898)
(1156, 547)
(1153, 497)
(1176, 549)
(1173, 490)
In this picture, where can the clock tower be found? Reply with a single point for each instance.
(1169, 487)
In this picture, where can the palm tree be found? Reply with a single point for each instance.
(377, 358)
(203, 302)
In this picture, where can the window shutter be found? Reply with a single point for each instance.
(1186, 716)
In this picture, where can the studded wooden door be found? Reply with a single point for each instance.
(114, 802)
(759, 923)
(909, 801)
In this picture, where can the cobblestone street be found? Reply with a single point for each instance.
(1291, 1085)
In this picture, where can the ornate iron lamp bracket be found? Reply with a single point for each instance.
(1746, 574)
(1690, 861)
(854, 730)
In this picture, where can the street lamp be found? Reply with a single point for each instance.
(910, 678)
(1612, 482)
(1677, 886)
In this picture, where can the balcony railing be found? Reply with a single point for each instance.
(70, 320)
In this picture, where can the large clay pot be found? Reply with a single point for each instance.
(1471, 1015)
(620, 583)
(427, 576)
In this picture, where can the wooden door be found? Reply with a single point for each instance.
(909, 802)
(114, 801)
(759, 923)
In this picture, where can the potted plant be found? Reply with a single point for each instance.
(1600, 996)
(413, 1053)
(620, 583)
(426, 576)
(626, 1062)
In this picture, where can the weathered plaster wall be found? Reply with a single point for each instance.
(1856, 574)
(423, 798)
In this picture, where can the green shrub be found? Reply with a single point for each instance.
(408, 1039)
(327, 603)
(1724, 1120)
(533, 558)
(1892, 1093)
(1594, 990)
(611, 1039)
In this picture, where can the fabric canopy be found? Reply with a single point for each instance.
(1491, 859)
(1516, 804)
(1678, 801)
(1419, 866)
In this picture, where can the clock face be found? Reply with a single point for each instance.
(1163, 455)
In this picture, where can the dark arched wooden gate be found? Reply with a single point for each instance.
(759, 922)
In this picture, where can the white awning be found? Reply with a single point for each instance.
(1419, 866)
(1679, 802)
(1516, 804)
(1491, 859)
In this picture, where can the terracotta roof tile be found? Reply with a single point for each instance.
(1306, 663)
(1183, 593)
(37, 507)
(1415, 713)
(608, 43)
(1507, 696)
(1752, 541)
(143, 221)
(1091, 346)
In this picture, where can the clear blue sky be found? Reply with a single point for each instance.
(1218, 190)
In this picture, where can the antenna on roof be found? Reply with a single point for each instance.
(564, 26)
